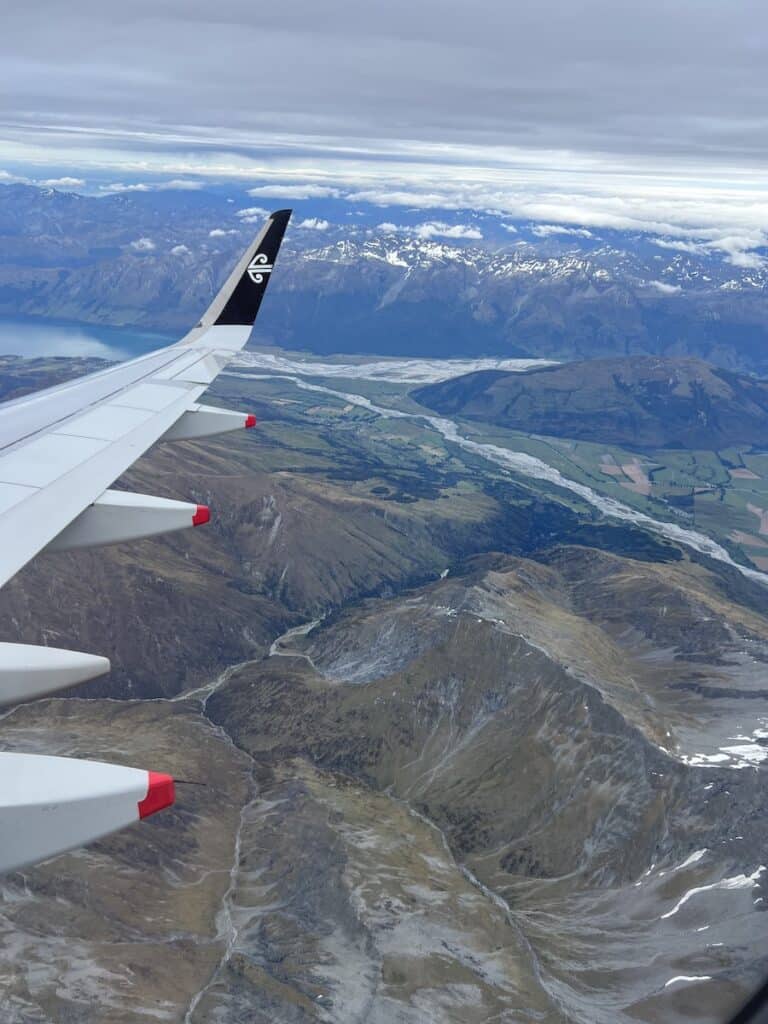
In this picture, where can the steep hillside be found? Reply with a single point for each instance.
(556, 727)
(450, 750)
(641, 402)
(533, 789)
(309, 513)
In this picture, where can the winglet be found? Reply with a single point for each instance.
(239, 299)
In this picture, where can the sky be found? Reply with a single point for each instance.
(649, 114)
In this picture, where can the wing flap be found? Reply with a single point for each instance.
(22, 418)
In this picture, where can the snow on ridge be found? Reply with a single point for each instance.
(687, 977)
(694, 858)
(747, 752)
(736, 882)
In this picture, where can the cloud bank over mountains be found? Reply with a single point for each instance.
(636, 117)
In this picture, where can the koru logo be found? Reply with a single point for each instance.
(258, 267)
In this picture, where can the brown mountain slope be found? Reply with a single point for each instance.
(464, 803)
(541, 717)
(484, 797)
(307, 516)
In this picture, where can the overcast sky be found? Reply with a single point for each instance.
(650, 103)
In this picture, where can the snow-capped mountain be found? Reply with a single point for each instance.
(153, 259)
(403, 295)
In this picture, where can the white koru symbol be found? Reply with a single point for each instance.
(258, 267)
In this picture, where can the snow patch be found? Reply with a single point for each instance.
(687, 978)
(737, 882)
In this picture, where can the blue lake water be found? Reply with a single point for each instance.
(32, 337)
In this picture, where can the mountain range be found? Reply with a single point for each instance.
(152, 259)
(465, 729)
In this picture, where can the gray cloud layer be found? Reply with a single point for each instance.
(647, 115)
(673, 77)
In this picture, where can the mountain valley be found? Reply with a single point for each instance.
(454, 745)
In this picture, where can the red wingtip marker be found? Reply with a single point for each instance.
(203, 515)
(250, 421)
(160, 794)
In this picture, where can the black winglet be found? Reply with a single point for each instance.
(239, 300)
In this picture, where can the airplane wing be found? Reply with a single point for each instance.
(60, 449)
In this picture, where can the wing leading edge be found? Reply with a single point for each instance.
(60, 449)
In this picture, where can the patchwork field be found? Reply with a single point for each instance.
(722, 493)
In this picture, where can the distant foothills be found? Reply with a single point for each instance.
(352, 281)
(638, 402)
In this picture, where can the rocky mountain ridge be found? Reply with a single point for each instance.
(152, 259)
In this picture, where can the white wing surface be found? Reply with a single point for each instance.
(60, 449)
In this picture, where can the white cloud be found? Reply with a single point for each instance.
(664, 288)
(668, 197)
(222, 232)
(13, 178)
(314, 224)
(736, 247)
(697, 217)
(421, 200)
(438, 229)
(678, 245)
(175, 184)
(181, 184)
(545, 230)
(510, 228)
(143, 245)
(295, 191)
(251, 214)
(747, 260)
(181, 250)
(118, 186)
(433, 229)
(64, 182)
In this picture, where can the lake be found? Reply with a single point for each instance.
(37, 337)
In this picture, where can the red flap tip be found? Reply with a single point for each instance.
(202, 515)
(250, 421)
(160, 794)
